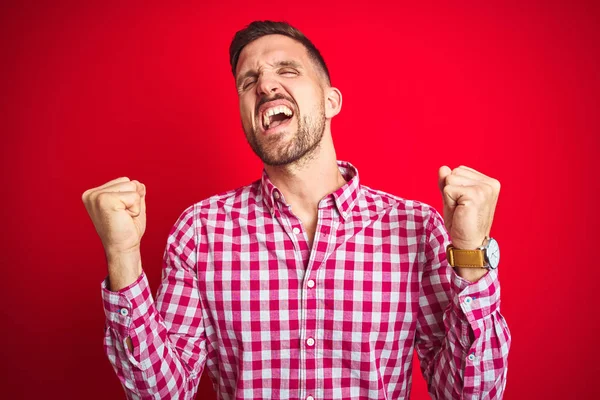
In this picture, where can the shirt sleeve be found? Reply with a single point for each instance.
(462, 339)
(168, 336)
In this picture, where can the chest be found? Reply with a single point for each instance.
(270, 285)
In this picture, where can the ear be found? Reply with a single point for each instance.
(333, 102)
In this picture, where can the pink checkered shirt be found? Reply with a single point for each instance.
(270, 318)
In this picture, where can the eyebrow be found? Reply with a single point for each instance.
(277, 64)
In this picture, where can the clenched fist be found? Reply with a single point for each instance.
(118, 211)
(470, 200)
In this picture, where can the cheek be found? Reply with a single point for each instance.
(246, 113)
(309, 99)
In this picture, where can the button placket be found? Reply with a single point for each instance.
(325, 233)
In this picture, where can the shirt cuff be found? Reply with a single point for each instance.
(128, 307)
(477, 300)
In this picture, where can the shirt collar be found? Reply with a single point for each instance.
(344, 198)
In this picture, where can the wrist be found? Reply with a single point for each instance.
(472, 261)
(124, 268)
(469, 244)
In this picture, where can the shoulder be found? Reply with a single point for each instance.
(414, 220)
(239, 200)
(379, 201)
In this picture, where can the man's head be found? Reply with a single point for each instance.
(285, 96)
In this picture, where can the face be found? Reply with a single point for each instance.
(282, 99)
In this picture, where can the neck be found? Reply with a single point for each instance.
(305, 182)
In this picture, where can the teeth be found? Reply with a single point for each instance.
(274, 111)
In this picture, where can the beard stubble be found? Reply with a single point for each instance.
(302, 146)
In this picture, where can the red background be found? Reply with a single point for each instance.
(95, 90)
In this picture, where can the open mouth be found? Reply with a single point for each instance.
(276, 116)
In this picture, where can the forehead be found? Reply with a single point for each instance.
(268, 50)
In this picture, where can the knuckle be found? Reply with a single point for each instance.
(488, 189)
(104, 199)
(480, 191)
(496, 185)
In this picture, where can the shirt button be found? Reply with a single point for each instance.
(124, 312)
(296, 231)
(310, 398)
(468, 300)
(310, 342)
(471, 357)
(276, 195)
(310, 283)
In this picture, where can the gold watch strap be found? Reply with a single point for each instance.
(465, 258)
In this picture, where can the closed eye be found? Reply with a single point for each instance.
(248, 83)
(287, 72)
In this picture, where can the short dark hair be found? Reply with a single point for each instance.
(258, 29)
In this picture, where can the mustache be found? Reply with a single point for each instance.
(278, 96)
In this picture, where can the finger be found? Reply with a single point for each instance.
(135, 209)
(460, 180)
(129, 186)
(115, 201)
(143, 205)
(476, 175)
(95, 189)
(126, 186)
(460, 195)
(470, 173)
(451, 196)
(443, 172)
(109, 183)
(143, 201)
(471, 169)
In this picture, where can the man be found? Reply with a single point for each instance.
(304, 284)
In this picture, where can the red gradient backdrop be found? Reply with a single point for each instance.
(95, 90)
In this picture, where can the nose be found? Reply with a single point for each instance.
(267, 85)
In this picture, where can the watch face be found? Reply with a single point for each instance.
(493, 254)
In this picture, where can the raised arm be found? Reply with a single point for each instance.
(158, 349)
(462, 339)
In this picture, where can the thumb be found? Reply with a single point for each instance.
(443, 173)
(138, 207)
(130, 202)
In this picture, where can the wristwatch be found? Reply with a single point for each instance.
(485, 256)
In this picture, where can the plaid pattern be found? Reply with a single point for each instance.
(244, 296)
